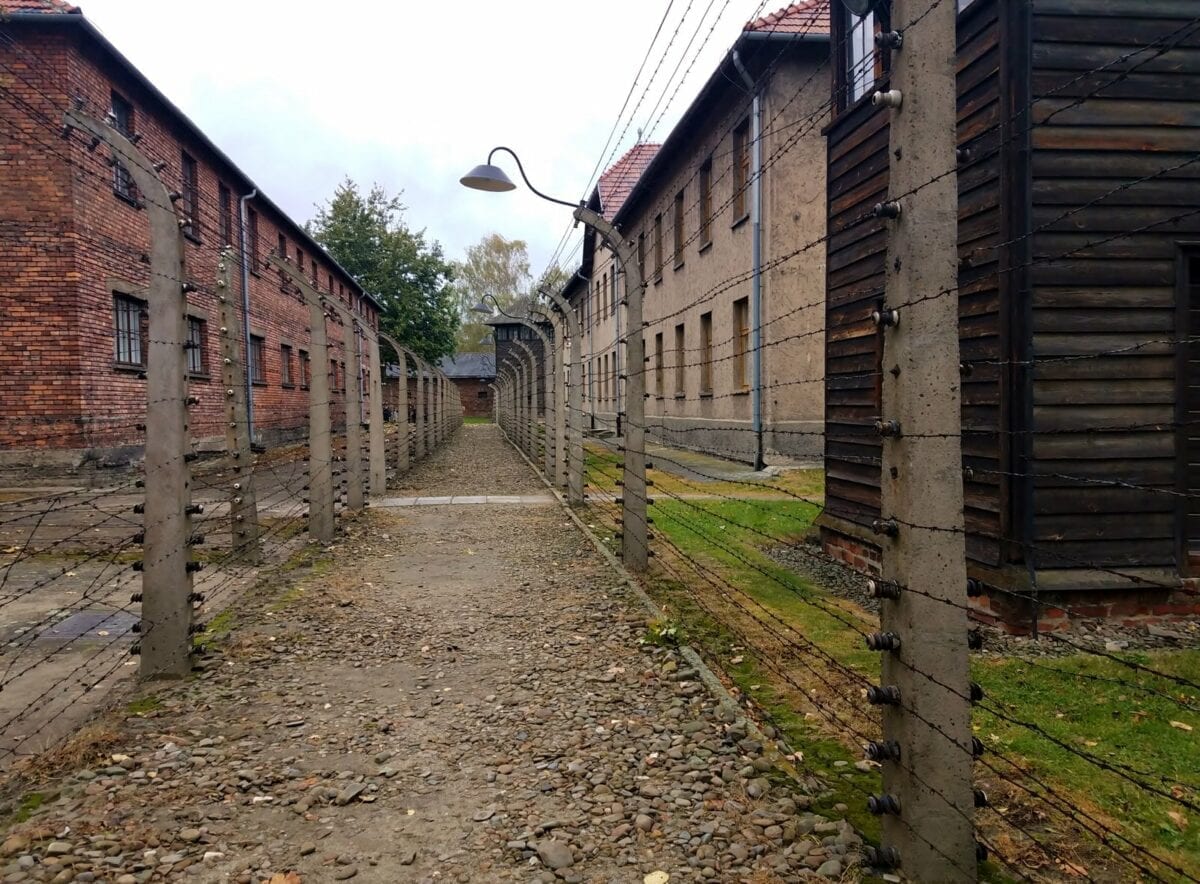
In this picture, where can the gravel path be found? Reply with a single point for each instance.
(457, 694)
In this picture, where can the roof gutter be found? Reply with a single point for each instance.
(782, 37)
(77, 20)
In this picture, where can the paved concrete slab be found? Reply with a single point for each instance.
(467, 500)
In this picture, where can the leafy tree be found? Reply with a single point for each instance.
(367, 234)
(499, 268)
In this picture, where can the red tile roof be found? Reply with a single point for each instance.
(7, 6)
(810, 17)
(618, 179)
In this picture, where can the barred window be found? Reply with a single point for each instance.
(285, 364)
(127, 326)
(190, 188)
(123, 184)
(195, 346)
(258, 359)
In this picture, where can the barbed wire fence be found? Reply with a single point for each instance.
(189, 511)
(966, 768)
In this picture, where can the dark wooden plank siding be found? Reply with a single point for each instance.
(1114, 85)
(857, 179)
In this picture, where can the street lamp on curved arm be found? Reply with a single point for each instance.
(634, 531)
(492, 179)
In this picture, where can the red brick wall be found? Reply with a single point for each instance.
(39, 375)
(468, 394)
(88, 241)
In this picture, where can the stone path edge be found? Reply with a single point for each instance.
(714, 684)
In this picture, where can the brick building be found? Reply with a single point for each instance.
(74, 272)
(688, 208)
(472, 375)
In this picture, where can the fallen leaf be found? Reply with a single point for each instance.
(1178, 819)
(736, 660)
(1179, 725)
(285, 878)
(1073, 869)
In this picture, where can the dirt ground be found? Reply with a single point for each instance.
(449, 693)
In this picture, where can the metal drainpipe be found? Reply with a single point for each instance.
(756, 247)
(246, 259)
(616, 341)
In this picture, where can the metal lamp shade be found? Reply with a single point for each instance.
(481, 307)
(488, 177)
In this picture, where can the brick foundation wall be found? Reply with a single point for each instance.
(862, 557)
(1056, 611)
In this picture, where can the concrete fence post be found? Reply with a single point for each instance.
(376, 438)
(531, 375)
(401, 403)
(320, 425)
(635, 539)
(419, 408)
(355, 480)
(926, 692)
(574, 405)
(547, 387)
(166, 627)
(243, 507)
(557, 461)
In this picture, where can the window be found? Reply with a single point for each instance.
(658, 248)
(258, 359)
(285, 365)
(333, 376)
(123, 185)
(196, 363)
(679, 354)
(705, 354)
(305, 370)
(678, 231)
(741, 170)
(283, 255)
(860, 58)
(190, 188)
(612, 290)
(300, 261)
(706, 203)
(225, 210)
(605, 309)
(252, 236)
(331, 283)
(130, 346)
(641, 256)
(658, 365)
(741, 343)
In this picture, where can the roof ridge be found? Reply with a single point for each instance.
(811, 15)
(51, 7)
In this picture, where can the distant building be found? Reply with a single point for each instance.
(506, 332)
(472, 374)
(687, 206)
(73, 272)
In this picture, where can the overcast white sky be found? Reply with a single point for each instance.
(413, 94)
